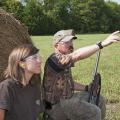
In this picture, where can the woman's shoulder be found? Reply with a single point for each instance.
(7, 82)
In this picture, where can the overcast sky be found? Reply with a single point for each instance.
(118, 1)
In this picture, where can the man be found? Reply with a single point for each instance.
(62, 102)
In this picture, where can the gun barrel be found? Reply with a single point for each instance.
(97, 63)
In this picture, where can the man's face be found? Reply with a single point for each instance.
(65, 47)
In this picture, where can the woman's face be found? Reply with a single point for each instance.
(33, 64)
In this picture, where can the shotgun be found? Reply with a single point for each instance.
(94, 92)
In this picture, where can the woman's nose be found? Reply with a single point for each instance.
(39, 60)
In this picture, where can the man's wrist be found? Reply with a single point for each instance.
(99, 45)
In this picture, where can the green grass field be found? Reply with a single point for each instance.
(109, 67)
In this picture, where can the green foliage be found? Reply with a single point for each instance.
(57, 11)
(33, 16)
(88, 15)
(49, 16)
(14, 7)
(113, 14)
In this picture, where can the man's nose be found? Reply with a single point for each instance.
(71, 48)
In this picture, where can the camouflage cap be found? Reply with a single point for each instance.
(64, 36)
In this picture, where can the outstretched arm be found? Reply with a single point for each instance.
(85, 52)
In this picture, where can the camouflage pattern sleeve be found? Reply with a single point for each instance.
(62, 61)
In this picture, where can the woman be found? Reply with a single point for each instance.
(20, 92)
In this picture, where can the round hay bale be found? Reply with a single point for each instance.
(12, 34)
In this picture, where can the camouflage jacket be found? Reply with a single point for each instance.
(57, 81)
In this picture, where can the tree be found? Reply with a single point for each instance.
(113, 13)
(33, 16)
(14, 7)
(49, 16)
(87, 15)
(58, 12)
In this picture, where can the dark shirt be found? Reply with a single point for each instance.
(58, 82)
(20, 102)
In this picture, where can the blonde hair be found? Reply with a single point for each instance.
(14, 70)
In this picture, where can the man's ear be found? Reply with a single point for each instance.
(55, 45)
(22, 64)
